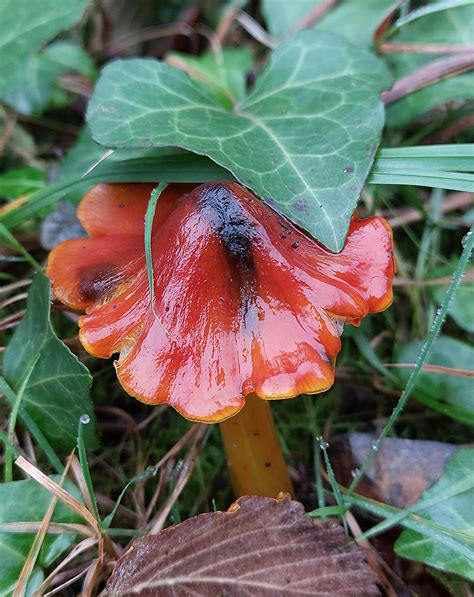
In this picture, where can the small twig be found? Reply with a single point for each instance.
(66, 583)
(376, 562)
(151, 33)
(12, 320)
(77, 84)
(155, 412)
(164, 474)
(255, 30)
(14, 285)
(8, 130)
(117, 46)
(55, 528)
(451, 130)
(187, 468)
(33, 554)
(435, 369)
(443, 281)
(226, 21)
(13, 299)
(391, 48)
(168, 456)
(194, 430)
(59, 492)
(213, 40)
(200, 76)
(92, 578)
(427, 75)
(451, 202)
(316, 14)
(81, 482)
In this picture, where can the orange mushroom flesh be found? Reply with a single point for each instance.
(244, 303)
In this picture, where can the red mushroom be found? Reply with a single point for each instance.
(244, 302)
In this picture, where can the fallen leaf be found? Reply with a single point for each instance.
(402, 471)
(260, 546)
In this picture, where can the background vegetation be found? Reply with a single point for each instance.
(137, 468)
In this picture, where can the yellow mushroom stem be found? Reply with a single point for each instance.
(253, 451)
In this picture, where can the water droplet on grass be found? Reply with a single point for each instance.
(355, 472)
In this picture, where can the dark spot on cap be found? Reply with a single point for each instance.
(121, 204)
(236, 234)
(267, 464)
(96, 282)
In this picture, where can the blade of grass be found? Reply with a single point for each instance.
(427, 10)
(454, 158)
(81, 449)
(332, 479)
(457, 488)
(78, 549)
(33, 554)
(59, 492)
(328, 511)
(434, 331)
(168, 168)
(371, 356)
(414, 522)
(149, 216)
(450, 410)
(150, 472)
(11, 242)
(32, 427)
(450, 181)
(187, 167)
(8, 472)
(6, 440)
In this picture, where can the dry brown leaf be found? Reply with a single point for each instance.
(260, 546)
(402, 470)
(428, 74)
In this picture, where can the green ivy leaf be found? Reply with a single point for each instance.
(355, 20)
(462, 306)
(282, 16)
(448, 504)
(37, 87)
(24, 27)
(57, 392)
(450, 394)
(304, 140)
(26, 501)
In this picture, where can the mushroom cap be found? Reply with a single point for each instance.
(244, 302)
